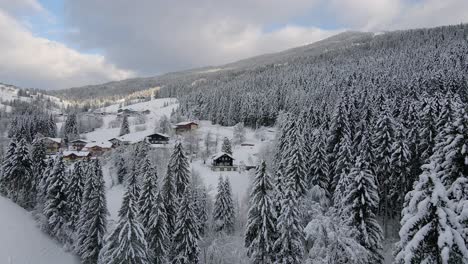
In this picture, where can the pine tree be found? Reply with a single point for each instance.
(319, 173)
(121, 168)
(451, 151)
(342, 166)
(75, 191)
(70, 131)
(156, 233)
(57, 207)
(226, 147)
(8, 165)
(180, 169)
(127, 242)
(185, 247)
(458, 194)
(200, 207)
(92, 223)
(400, 178)
(223, 213)
(429, 228)
(148, 193)
(289, 246)
(169, 197)
(38, 163)
(295, 156)
(360, 204)
(261, 224)
(124, 129)
(383, 142)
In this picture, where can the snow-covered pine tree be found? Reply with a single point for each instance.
(156, 233)
(70, 130)
(57, 208)
(430, 231)
(451, 151)
(38, 163)
(169, 197)
(428, 130)
(148, 193)
(124, 129)
(289, 246)
(384, 136)
(74, 194)
(223, 212)
(319, 172)
(361, 201)
(458, 194)
(185, 247)
(92, 223)
(180, 169)
(343, 164)
(8, 165)
(121, 168)
(200, 206)
(260, 233)
(226, 147)
(295, 159)
(401, 179)
(127, 242)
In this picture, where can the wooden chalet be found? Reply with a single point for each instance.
(117, 142)
(185, 126)
(223, 162)
(72, 155)
(98, 148)
(53, 145)
(157, 138)
(78, 144)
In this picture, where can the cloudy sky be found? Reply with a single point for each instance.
(53, 44)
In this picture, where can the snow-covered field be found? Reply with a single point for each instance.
(22, 242)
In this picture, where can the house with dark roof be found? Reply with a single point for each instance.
(157, 138)
(222, 162)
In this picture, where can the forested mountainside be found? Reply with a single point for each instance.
(121, 89)
(399, 66)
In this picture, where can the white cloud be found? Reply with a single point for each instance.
(30, 61)
(157, 36)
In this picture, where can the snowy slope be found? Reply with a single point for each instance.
(157, 107)
(22, 242)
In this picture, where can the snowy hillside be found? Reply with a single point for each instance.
(243, 155)
(23, 243)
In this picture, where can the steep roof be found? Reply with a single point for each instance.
(105, 144)
(186, 123)
(220, 154)
(77, 153)
(57, 140)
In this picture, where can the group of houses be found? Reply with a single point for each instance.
(81, 148)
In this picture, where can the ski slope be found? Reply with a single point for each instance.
(22, 242)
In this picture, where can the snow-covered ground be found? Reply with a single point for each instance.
(247, 155)
(22, 242)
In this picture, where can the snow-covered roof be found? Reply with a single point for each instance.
(77, 153)
(57, 140)
(220, 154)
(80, 140)
(157, 133)
(186, 123)
(105, 144)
